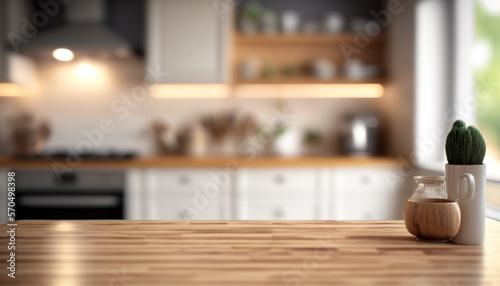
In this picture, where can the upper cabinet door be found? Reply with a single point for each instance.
(188, 40)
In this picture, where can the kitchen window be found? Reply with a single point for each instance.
(458, 76)
(486, 66)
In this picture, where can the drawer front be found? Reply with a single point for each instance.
(281, 181)
(184, 208)
(281, 210)
(179, 182)
(362, 181)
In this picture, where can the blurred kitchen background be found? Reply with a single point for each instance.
(325, 109)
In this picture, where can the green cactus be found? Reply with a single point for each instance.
(459, 124)
(465, 145)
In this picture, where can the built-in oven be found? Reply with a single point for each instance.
(45, 194)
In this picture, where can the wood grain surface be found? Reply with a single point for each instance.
(216, 162)
(432, 219)
(243, 253)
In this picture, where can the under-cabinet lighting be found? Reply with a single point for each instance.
(189, 90)
(12, 89)
(354, 90)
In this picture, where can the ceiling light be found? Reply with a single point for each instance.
(63, 55)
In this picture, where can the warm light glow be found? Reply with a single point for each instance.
(86, 71)
(355, 90)
(189, 90)
(64, 55)
(64, 225)
(358, 90)
(11, 89)
(67, 255)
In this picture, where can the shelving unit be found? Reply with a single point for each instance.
(298, 52)
(285, 60)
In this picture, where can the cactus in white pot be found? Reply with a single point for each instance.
(465, 151)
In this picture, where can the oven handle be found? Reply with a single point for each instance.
(74, 201)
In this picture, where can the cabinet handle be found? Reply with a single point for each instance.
(279, 179)
(184, 180)
(366, 180)
(182, 214)
(278, 213)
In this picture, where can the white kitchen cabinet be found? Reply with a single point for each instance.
(282, 209)
(278, 193)
(15, 68)
(173, 194)
(188, 40)
(180, 208)
(364, 193)
(355, 193)
(368, 208)
(134, 194)
(280, 182)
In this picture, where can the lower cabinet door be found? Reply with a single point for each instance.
(282, 209)
(368, 208)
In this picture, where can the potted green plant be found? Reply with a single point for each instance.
(465, 151)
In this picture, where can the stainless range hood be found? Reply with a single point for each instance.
(84, 32)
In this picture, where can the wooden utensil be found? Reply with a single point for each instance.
(432, 219)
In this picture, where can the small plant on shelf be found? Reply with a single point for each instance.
(465, 145)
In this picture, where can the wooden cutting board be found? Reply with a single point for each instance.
(242, 253)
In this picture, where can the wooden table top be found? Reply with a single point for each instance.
(216, 162)
(242, 253)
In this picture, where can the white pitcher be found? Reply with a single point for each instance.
(466, 184)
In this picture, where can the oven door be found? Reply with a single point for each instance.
(81, 205)
(86, 194)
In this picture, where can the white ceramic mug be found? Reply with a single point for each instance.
(466, 184)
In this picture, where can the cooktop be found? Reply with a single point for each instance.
(105, 155)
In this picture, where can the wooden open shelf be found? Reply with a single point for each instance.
(300, 39)
(298, 51)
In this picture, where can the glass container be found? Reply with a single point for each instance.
(429, 188)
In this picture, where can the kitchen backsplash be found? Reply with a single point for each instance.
(76, 96)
